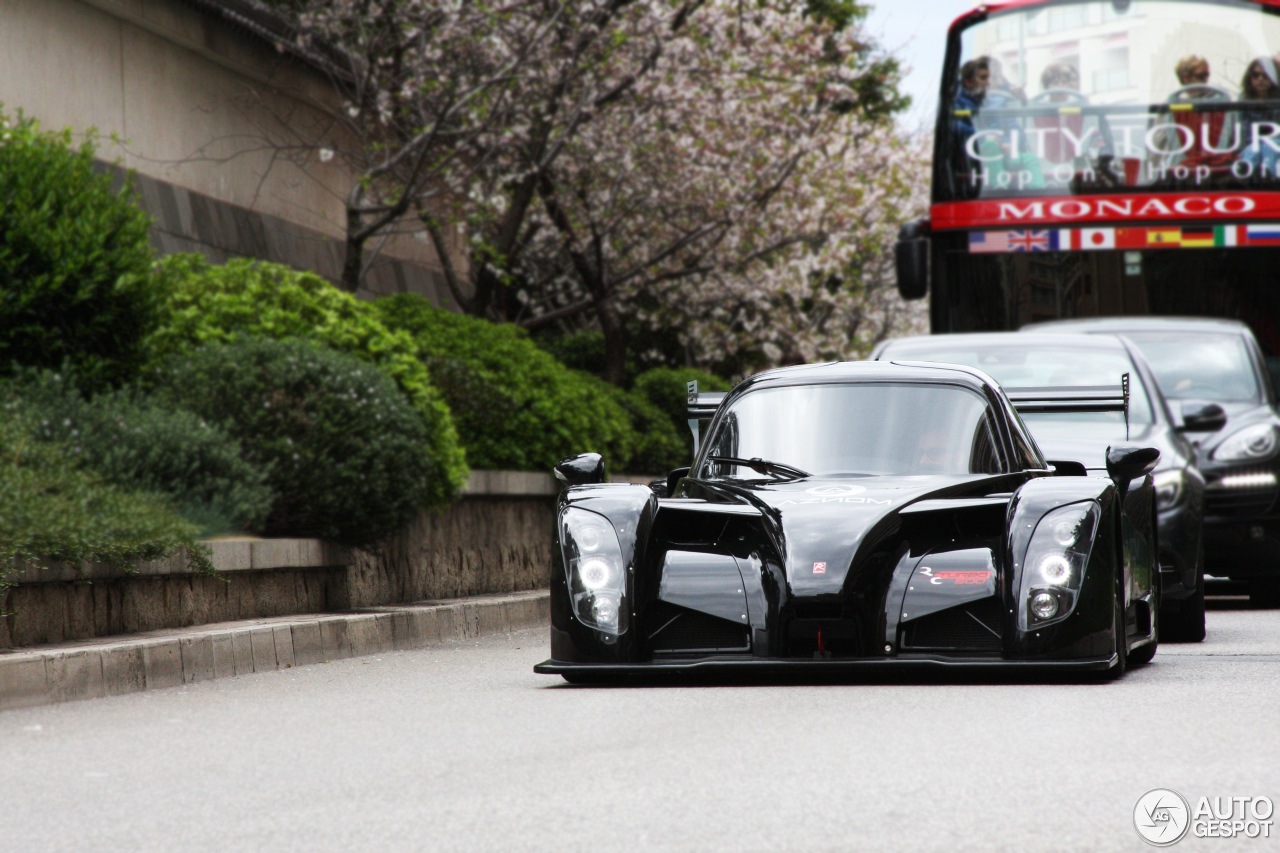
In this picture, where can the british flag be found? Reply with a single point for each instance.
(1030, 241)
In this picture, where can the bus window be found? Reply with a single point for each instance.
(1093, 97)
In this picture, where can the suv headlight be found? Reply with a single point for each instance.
(1254, 442)
(597, 574)
(1055, 562)
(1170, 487)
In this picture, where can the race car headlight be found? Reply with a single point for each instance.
(596, 571)
(1169, 488)
(1255, 442)
(1054, 567)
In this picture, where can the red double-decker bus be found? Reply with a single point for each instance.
(1119, 157)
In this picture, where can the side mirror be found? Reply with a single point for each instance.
(674, 477)
(911, 256)
(585, 469)
(1202, 417)
(1127, 462)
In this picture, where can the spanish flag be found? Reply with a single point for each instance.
(1165, 237)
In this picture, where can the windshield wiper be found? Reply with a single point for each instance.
(763, 466)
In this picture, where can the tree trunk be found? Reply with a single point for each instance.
(615, 342)
(354, 261)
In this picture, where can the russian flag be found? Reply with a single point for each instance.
(1264, 235)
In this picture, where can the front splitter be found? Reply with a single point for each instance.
(767, 666)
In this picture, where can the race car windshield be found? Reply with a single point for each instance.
(1032, 365)
(865, 429)
(1192, 366)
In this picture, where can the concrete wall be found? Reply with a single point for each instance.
(497, 538)
(194, 102)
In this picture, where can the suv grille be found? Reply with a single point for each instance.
(1238, 502)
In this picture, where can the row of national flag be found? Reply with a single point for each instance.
(1095, 239)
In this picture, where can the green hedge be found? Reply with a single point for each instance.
(51, 508)
(515, 405)
(136, 442)
(209, 304)
(666, 389)
(346, 455)
(74, 260)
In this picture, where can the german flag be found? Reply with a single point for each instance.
(1197, 238)
(1165, 237)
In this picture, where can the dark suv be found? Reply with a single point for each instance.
(1216, 380)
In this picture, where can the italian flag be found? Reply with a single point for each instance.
(1229, 235)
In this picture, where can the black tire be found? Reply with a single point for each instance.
(1187, 625)
(1264, 593)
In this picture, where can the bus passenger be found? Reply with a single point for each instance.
(1261, 82)
(1191, 70)
(1195, 140)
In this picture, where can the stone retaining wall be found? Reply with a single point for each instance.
(496, 539)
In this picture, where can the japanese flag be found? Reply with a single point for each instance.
(1097, 238)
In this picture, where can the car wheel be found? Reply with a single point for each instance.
(1187, 625)
(1264, 593)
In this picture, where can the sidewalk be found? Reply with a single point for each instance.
(90, 669)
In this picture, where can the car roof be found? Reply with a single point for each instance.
(900, 347)
(872, 371)
(1119, 325)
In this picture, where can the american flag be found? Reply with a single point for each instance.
(981, 242)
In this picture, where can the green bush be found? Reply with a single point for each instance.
(74, 260)
(210, 304)
(50, 508)
(656, 445)
(666, 388)
(515, 406)
(134, 441)
(347, 456)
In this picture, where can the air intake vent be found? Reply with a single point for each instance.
(970, 627)
(682, 631)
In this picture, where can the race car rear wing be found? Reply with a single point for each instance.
(1072, 399)
(701, 408)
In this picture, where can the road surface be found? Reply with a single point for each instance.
(464, 748)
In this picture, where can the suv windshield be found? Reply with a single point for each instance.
(1197, 366)
(864, 429)
(1094, 97)
(1032, 365)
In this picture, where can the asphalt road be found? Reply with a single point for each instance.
(465, 748)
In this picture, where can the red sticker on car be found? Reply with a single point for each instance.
(819, 568)
(963, 577)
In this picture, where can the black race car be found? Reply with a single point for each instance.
(1051, 358)
(1214, 373)
(857, 516)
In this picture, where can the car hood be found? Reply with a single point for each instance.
(827, 525)
(1087, 443)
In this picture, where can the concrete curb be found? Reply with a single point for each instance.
(92, 669)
